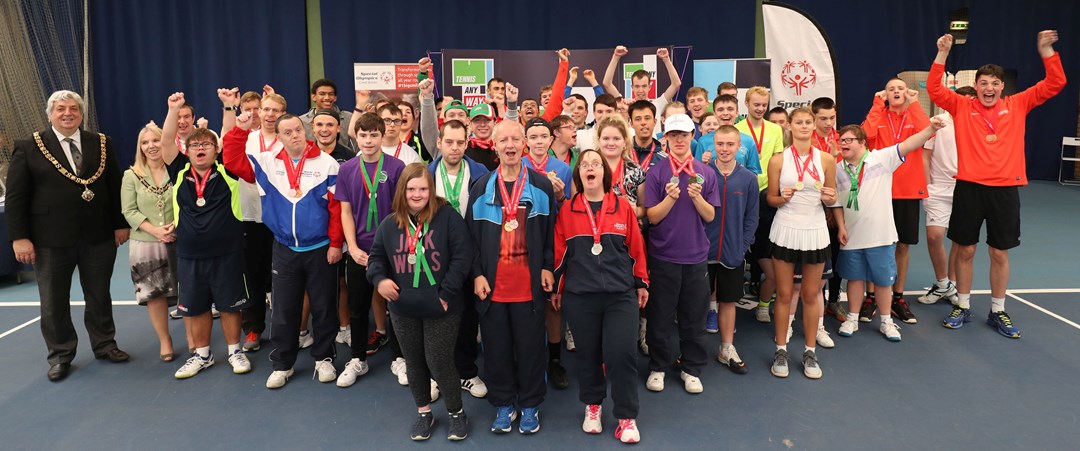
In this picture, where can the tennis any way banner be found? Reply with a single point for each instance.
(465, 73)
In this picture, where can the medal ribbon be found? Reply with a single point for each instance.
(453, 190)
(371, 185)
(757, 141)
(200, 185)
(856, 180)
(295, 172)
(807, 167)
(678, 168)
(989, 125)
(180, 145)
(617, 176)
(645, 162)
(595, 224)
(413, 238)
(510, 203)
(262, 143)
(398, 150)
(896, 132)
(542, 165)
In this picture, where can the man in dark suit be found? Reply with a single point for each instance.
(63, 210)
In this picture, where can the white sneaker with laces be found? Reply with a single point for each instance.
(592, 424)
(175, 314)
(823, 338)
(240, 363)
(306, 340)
(849, 327)
(568, 338)
(692, 384)
(937, 292)
(324, 369)
(193, 365)
(434, 391)
(627, 431)
(891, 331)
(278, 378)
(655, 381)
(344, 336)
(397, 367)
(353, 370)
(475, 387)
(761, 312)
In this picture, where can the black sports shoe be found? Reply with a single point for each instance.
(376, 341)
(869, 307)
(459, 426)
(901, 310)
(421, 428)
(834, 309)
(557, 375)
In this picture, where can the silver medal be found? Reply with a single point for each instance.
(597, 248)
(200, 202)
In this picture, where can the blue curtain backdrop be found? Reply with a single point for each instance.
(145, 50)
(142, 51)
(875, 40)
(404, 31)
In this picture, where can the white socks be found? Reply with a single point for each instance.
(997, 304)
(964, 300)
(234, 348)
(203, 352)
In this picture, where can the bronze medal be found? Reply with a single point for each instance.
(991, 138)
(296, 193)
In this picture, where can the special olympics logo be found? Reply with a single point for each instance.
(798, 75)
(386, 77)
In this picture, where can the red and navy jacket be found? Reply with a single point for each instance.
(620, 267)
(735, 226)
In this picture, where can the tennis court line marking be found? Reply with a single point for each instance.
(16, 328)
(1036, 307)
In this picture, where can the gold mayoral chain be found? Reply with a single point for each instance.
(158, 192)
(87, 195)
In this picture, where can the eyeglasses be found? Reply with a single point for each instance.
(201, 145)
(596, 165)
(568, 127)
(848, 140)
(389, 121)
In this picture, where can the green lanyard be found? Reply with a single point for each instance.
(372, 186)
(573, 157)
(453, 191)
(856, 179)
(421, 262)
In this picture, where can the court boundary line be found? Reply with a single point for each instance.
(1041, 309)
(17, 328)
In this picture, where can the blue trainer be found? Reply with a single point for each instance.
(957, 318)
(1003, 324)
(712, 323)
(504, 418)
(530, 420)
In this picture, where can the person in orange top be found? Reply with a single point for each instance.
(990, 167)
(897, 116)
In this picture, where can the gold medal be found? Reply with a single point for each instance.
(507, 227)
(799, 186)
(296, 193)
(552, 174)
(991, 138)
(512, 224)
(817, 185)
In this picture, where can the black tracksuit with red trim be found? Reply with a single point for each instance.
(599, 297)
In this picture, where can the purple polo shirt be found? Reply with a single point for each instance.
(350, 188)
(680, 238)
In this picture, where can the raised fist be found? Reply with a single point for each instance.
(511, 93)
(662, 53)
(564, 54)
(427, 88)
(944, 43)
(267, 89)
(244, 120)
(937, 123)
(620, 51)
(201, 123)
(590, 76)
(425, 64)
(176, 100)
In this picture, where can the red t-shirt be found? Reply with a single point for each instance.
(1001, 162)
(512, 281)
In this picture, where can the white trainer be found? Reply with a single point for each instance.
(592, 424)
(324, 369)
(306, 340)
(475, 387)
(655, 381)
(568, 338)
(823, 338)
(193, 365)
(891, 331)
(849, 327)
(240, 363)
(434, 391)
(278, 378)
(692, 384)
(761, 312)
(344, 336)
(397, 367)
(353, 370)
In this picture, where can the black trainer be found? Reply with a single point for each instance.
(901, 310)
(376, 341)
(869, 307)
(421, 428)
(459, 426)
(557, 375)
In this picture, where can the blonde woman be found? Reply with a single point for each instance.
(627, 177)
(146, 201)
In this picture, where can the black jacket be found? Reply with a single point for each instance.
(47, 207)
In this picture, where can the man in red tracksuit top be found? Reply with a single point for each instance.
(990, 168)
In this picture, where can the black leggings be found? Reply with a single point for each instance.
(428, 347)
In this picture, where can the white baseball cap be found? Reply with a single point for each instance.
(678, 122)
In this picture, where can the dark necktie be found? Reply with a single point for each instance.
(76, 155)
